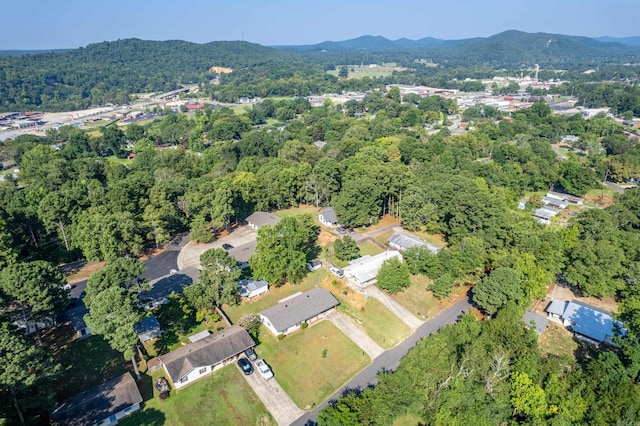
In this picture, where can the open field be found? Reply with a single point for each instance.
(369, 248)
(270, 298)
(222, 398)
(557, 340)
(311, 364)
(384, 70)
(302, 209)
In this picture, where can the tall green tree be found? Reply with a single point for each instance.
(393, 275)
(113, 314)
(346, 248)
(123, 272)
(496, 289)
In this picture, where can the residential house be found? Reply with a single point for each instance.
(252, 288)
(314, 265)
(535, 321)
(204, 356)
(102, 405)
(291, 312)
(242, 253)
(328, 217)
(74, 316)
(259, 219)
(148, 329)
(572, 199)
(402, 242)
(164, 286)
(364, 270)
(555, 203)
(588, 322)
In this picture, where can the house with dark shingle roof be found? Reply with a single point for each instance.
(204, 356)
(536, 322)
(291, 312)
(328, 217)
(102, 405)
(259, 219)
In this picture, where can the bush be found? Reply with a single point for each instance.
(280, 336)
(304, 325)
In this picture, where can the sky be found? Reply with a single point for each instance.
(50, 24)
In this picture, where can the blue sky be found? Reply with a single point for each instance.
(46, 24)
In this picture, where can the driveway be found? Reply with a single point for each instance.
(281, 407)
(395, 307)
(190, 253)
(354, 333)
(390, 359)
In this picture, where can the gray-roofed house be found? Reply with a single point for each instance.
(364, 270)
(75, 317)
(259, 219)
(400, 241)
(102, 405)
(200, 358)
(554, 202)
(252, 288)
(242, 253)
(572, 199)
(328, 217)
(535, 321)
(291, 312)
(162, 288)
(148, 329)
(588, 322)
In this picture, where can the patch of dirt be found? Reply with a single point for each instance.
(386, 220)
(326, 238)
(557, 292)
(356, 300)
(85, 272)
(600, 200)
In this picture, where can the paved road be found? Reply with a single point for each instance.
(355, 334)
(396, 308)
(190, 254)
(274, 398)
(390, 359)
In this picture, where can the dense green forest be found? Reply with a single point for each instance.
(86, 200)
(110, 72)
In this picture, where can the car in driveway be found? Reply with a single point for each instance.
(227, 246)
(341, 231)
(245, 366)
(337, 272)
(264, 369)
(351, 231)
(250, 353)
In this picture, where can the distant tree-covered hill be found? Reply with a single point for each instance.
(110, 71)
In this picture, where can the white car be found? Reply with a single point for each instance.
(263, 368)
(337, 272)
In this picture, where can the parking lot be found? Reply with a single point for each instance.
(190, 254)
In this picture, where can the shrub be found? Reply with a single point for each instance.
(280, 336)
(304, 325)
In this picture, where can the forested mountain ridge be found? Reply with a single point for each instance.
(111, 71)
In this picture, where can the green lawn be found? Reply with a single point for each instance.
(369, 248)
(304, 208)
(86, 363)
(416, 298)
(380, 71)
(223, 398)
(386, 329)
(557, 340)
(313, 363)
(262, 302)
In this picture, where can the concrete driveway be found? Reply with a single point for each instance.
(395, 307)
(281, 407)
(190, 253)
(355, 334)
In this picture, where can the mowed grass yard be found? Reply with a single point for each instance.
(313, 363)
(222, 398)
(371, 316)
(421, 302)
(270, 298)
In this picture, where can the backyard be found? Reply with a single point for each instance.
(421, 302)
(312, 363)
(223, 397)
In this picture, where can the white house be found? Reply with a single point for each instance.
(291, 312)
(260, 219)
(571, 199)
(103, 405)
(328, 217)
(200, 358)
(400, 241)
(252, 288)
(364, 270)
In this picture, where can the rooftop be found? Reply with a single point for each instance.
(407, 241)
(96, 404)
(539, 322)
(263, 218)
(300, 308)
(365, 268)
(209, 350)
(329, 215)
(165, 286)
(243, 253)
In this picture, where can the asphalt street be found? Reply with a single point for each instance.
(390, 359)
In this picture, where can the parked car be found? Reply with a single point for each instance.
(352, 231)
(264, 369)
(227, 246)
(337, 272)
(245, 366)
(341, 231)
(250, 353)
